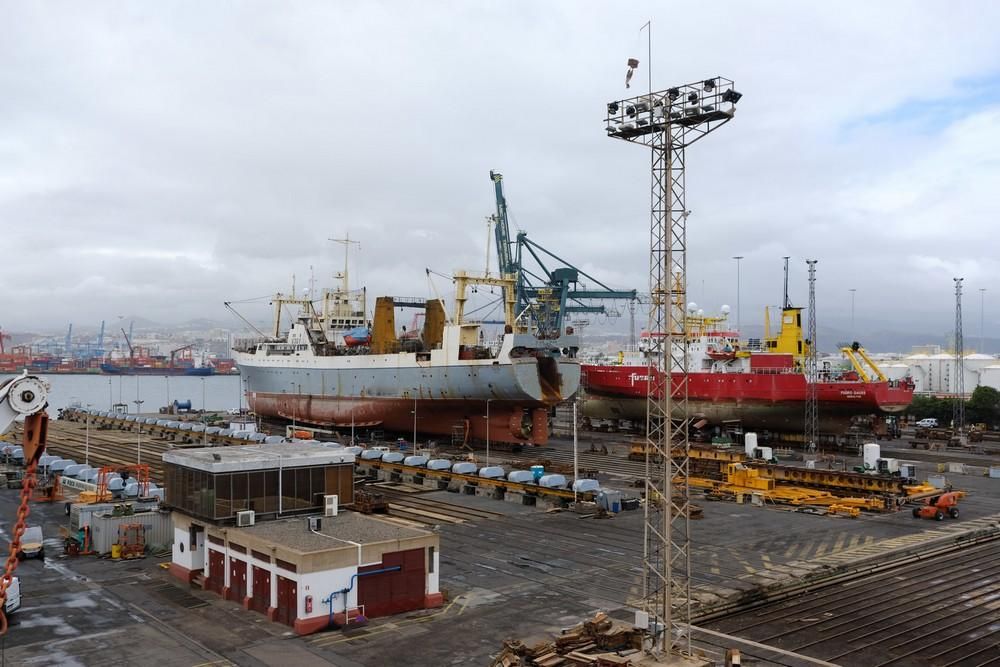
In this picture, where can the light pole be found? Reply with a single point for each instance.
(204, 424)
(138, 423)
(169, 405)
(111, 396)
(488, 431)
(982, 319)
(854, 334)
(415, 392)
(86, 450)
(739, 259)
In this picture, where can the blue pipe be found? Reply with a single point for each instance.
(354, 577)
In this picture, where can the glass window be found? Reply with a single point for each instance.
(271, 485)
(288, 489)
(318, 485)
(255, 498)
(303, 496)
(240, 492)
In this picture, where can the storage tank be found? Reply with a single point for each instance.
(116, 484)
(131, 489)
(464, 468)
(586, 486)
(521, 476)
(418, 460)
(372, 454)
(491, 472)
(552, 481)
(870, 454)
(749, 444)
(277, 439)
(439, 464)
(71, 471)
(393, 457)
(354, 449)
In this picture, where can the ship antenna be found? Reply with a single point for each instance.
(347, 246)
(787, 303)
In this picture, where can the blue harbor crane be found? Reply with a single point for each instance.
(550, 289)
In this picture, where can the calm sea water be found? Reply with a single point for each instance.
(217, 392)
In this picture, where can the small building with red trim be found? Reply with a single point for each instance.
(309, 571)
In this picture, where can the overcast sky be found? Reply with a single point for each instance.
(157, 159)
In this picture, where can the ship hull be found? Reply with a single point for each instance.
(383, 390)
(772, 401)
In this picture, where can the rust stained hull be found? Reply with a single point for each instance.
(509, 421)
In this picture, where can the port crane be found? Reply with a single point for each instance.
(547, 290)
(24, 396)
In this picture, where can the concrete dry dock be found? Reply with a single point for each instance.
(513, 571)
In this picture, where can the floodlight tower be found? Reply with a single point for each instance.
(667, 122)
(812, 375)
(958, 407)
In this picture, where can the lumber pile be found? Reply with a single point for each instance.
(598, 642)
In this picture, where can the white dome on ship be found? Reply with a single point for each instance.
(725, 309)
(692, 307)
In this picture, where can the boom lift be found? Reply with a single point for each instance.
(24, 396)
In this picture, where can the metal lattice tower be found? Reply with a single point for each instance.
(958, 407)
(812, 375)
(667, 122)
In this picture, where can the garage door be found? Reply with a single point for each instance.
(261, 599)
(237, 579)
(288, 601)
(216, 580)
(393, 592)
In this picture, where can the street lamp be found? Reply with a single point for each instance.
(204, 424)
(169, 405)
(138, 423)
(854, 334)
(982, 319)
(488, 431)
(86, 454)
(738, 259)
(111, 396)
(415, 393)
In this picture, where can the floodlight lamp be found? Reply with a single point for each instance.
(731, 96)
(630, 110)
(709, 84)
(612, 108)
(693, 98)
(673, 94)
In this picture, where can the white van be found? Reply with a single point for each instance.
(928, 422)
(13, 602)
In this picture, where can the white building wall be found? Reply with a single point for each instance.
(434, 569)
(320, 585)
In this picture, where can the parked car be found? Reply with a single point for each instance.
(927, 422)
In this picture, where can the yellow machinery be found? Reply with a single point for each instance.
(856, 355)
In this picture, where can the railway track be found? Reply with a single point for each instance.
(942, 611)
(411, 505)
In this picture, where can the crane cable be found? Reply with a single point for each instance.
(27, 487)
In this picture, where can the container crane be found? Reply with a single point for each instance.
(69, 341)
(131, 350)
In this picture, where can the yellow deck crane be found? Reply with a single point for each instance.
(24, 396)
(856, 355)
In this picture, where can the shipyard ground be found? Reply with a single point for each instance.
(513, 571)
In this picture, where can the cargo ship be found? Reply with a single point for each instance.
(756, 384)
(334, 368)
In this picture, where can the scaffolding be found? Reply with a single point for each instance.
(667, 122)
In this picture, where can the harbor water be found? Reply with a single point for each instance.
(216, 392)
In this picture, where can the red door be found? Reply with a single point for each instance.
(393, 592)
(216, 580)
(288, 601)
(261, 599)
(237, 579)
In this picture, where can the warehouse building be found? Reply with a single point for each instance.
(318, 569)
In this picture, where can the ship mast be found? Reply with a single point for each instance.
(347, 246)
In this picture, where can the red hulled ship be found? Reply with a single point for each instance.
(761, 384)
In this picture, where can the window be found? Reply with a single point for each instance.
(430, 560)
